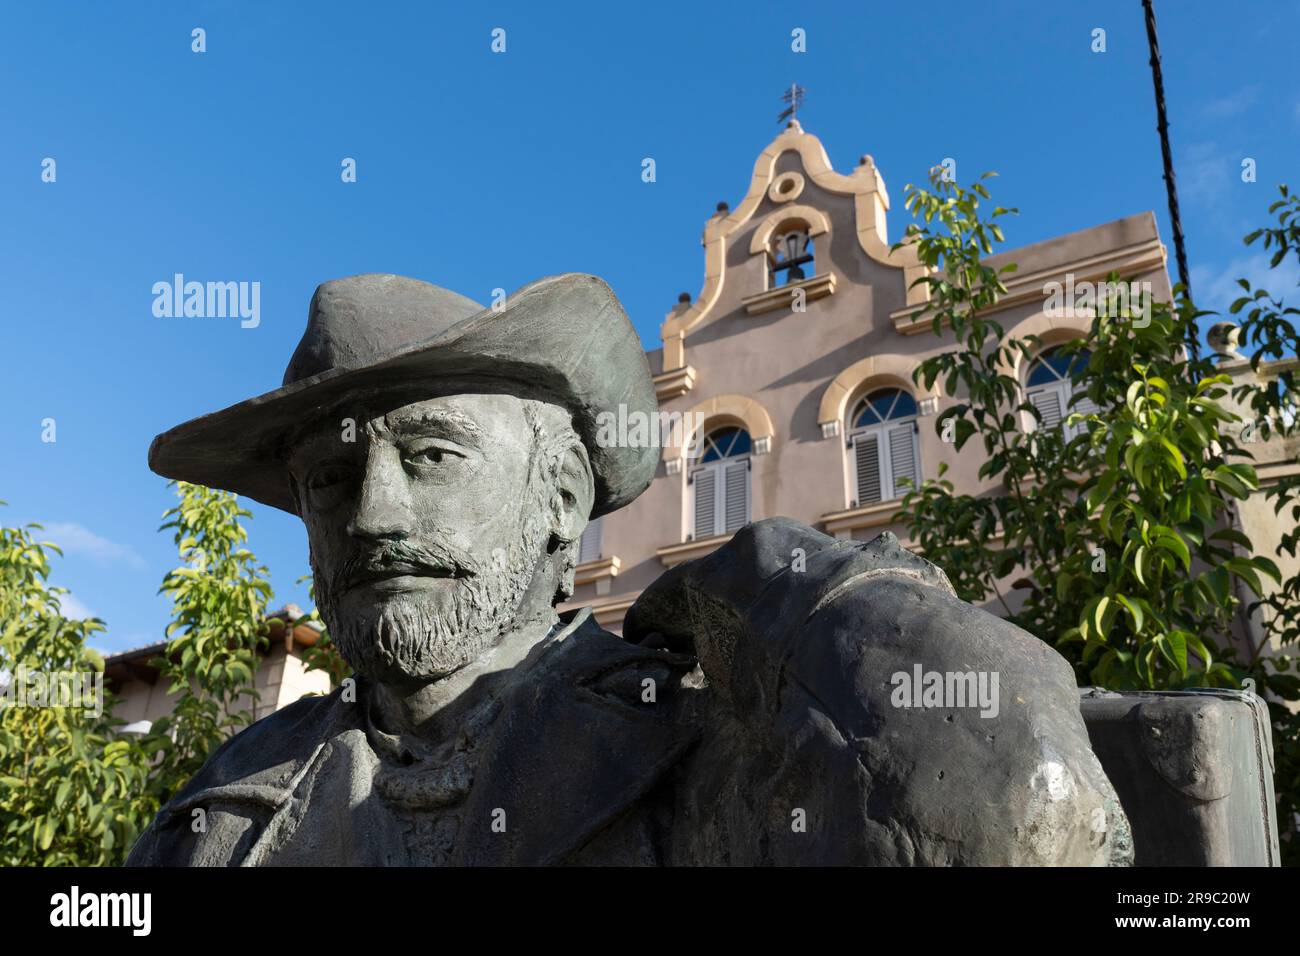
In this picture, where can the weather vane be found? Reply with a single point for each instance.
(793, 99)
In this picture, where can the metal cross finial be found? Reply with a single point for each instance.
(793, 99)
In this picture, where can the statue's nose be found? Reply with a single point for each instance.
(384, 504)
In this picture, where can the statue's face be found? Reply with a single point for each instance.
(425, 531)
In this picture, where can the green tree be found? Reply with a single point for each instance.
(219, 597)
(72, 790)
(1113, 539)
(1268, 327)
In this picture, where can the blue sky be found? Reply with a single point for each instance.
(479, 170)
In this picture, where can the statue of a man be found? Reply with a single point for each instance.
(445, 462)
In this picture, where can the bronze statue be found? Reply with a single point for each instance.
(444, 459)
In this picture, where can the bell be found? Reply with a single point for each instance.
(795, 244)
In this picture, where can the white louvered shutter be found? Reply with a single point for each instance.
(1048, 403)
(705, 504)
(589, 547)
(902, 457)
(866, 461)
(1085, 405)
(736, 499)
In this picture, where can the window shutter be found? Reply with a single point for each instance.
(902, 457)
(736, 498)
(703, 481)
(1085, 405)
(1048, 403)
(866, 458)
(589, 546)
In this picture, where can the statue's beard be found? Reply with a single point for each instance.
(423, 635)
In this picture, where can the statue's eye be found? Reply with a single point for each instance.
(327, 476)
(430, 455)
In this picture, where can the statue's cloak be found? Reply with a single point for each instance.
(750, 715)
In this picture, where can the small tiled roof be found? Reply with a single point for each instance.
(145, 652)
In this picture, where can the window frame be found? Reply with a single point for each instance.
(718, 470)
(1065, 388)
(880, 432)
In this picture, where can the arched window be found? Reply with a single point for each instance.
(720, 483)
(1049, 386)
(790, 250)
(885, 456)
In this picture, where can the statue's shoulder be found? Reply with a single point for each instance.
(782, 551)
(269, 751)
(774, 573)
(242, 783)
(590, 658)
(853, 685)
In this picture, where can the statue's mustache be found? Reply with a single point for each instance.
(390, 558)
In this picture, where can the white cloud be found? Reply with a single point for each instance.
(1234, 104)
(1205, 171)
(74, 609)
(1218, 289)
(73, 538)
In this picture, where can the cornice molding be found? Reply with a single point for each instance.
(782, 297)
(841, 523)
(1146, 256)
(589, 572)
(610, 614)
(675, 383)
(675, 554)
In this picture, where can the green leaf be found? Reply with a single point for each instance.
(1070, 636)
(1135, 612)
(1233, 484)
(1102, 489)
(1106, 609)
(1175, 544)
(46, 832)
(1177, 643)
(1246, 571)
(1175, 457)
(1232, 535)
(1139, 564)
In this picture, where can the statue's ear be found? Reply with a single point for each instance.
(575, 493)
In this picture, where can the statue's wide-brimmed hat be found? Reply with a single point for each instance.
(563, 339)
